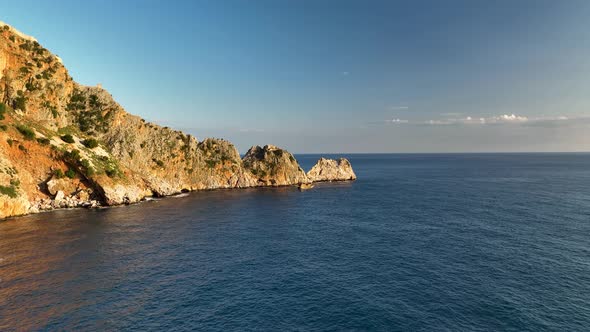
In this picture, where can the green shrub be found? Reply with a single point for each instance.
(3, 127)
(90, 143)
(20, 103)
(9, 191)
(89, 172)
(72, 156)
(25, 46)
(70, 173)
(68, 138)
(43, 141)
(31, 86)
(85, 163)
(27, 132)
(110, 172)
(58, 173)
(2, 110)
(158, 162)
(22, 147)
(77, 101)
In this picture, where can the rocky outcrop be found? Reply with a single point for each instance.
(65, 185)
(66, 145)
(16, 206)
(273, 166)
(331, 170)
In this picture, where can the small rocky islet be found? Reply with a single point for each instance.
(65, 145)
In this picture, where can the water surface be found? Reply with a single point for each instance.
(420, 242)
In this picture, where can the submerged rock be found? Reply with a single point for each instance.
(305, 186)
(331, 170)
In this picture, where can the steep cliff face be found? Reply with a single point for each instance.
(66, 145)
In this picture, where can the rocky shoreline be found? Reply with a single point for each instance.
(325, 170)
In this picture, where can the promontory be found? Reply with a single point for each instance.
(66, 145)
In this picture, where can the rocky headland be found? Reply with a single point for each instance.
(65, 145)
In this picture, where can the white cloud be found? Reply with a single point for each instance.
(504, 118)
(395, 121)
(509, 118)
(397, 108)
(439, 122)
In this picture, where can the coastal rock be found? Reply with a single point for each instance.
(83, 195)
(66, 185)
(122, 194)
(13, 206)
(59, 196)
(273, 166)
(331, 170)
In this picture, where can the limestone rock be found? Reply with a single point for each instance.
(122, 194)
(59, 196)
(273, 166)
(68, 186)
(13, 206)
(83, 195)
(331, 170)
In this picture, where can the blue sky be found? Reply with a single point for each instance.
(336, 76)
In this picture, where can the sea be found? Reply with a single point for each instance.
(420, 242)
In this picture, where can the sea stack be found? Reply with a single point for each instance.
(331, 170)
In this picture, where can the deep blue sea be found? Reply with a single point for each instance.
(433, 242)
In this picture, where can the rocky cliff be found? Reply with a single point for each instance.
(272, 166)
(331, 170)
(67, 145)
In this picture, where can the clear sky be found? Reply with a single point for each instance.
(336, 76)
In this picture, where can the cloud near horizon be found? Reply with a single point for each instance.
(504, 118)
(492, 120)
